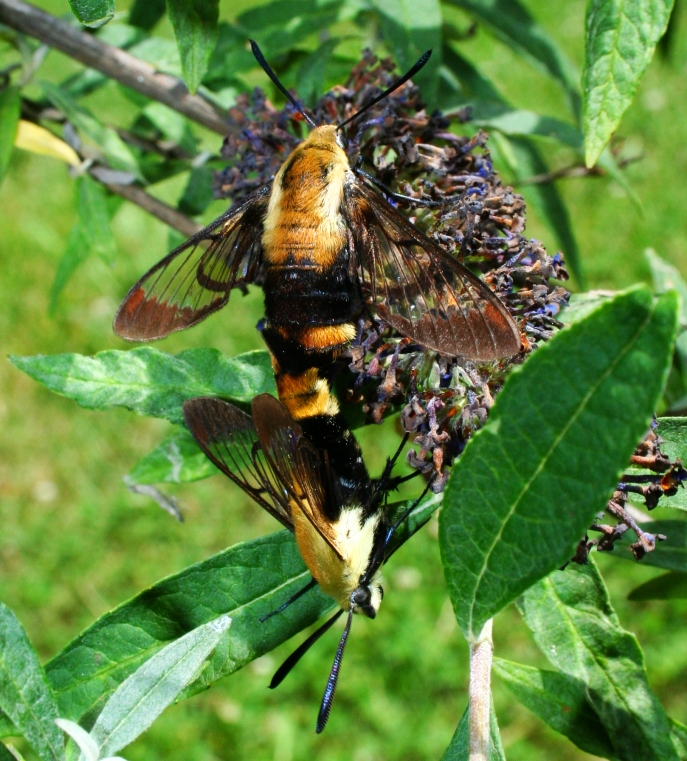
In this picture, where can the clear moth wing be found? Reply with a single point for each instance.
(418, 288)
(228, 438)
(300, 465)
(195, 279)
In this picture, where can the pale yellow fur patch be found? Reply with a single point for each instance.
(339, 578)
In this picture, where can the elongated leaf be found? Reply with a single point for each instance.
(670, 586)
(115, 150)
(459, 749)
(512, 23)
(311, 72)
(177, 460)
(528, 484)
(665, 277)
(25, 696)
(75, 253)
(559, 700)
(670, 554)
(93, 13)
(94, 218)
(279, 26)
(6, 754)
(86, 744)
(195, 24)
(620, 39)
(575, 626)
(245, 582)
(678, 733)
(36, 139)
(409, 29)
(10, 109)
(583, 304)
(141, 698)
(197, 195)
(149, 381)
(144, 14)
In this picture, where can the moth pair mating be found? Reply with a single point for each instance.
(329, 249)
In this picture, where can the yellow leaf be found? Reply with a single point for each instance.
(32, 137)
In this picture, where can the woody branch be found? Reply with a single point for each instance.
(111, 61)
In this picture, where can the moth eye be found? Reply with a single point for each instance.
(341, 140)
(362, 597)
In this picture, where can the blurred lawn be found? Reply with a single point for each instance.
(74, 543)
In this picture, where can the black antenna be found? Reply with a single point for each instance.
(330, 689)
(283, 671)
(421, 62)
(260, 58)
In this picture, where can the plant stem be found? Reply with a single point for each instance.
(165, 213)
(111, 61)
(481, 652)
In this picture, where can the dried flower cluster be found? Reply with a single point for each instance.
(473, 215)
(463, 205)
(663, 480)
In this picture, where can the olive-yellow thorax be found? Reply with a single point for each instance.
(304, 222)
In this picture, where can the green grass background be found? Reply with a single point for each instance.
(74, 542)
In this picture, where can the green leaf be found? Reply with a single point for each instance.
(512, 23)
(311, 71)
(195, 25)
(86, 744)
(670, 586)
(559, 700)
(620, 39)
(666, 277)
(583, 304)
(25, 696)
(94, 218)
(279, 26)
(678, 734)
(149, 381)
(144, 14)
(459, 749)
(246, 581)
(93, 13)
(178, 460)
(528, 484)
(10, 753)
(197, 195)
(75, 253)
(114, 149)
(671, 553)
(410, 28)
(10, 111)
(141, 698)
(575, 626)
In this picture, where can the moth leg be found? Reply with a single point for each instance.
(399, 196)
(312, 583)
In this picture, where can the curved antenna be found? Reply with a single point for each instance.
(330, 689)
(420, 63)
(260, 58)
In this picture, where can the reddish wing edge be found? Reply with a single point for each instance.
(195, 279)
(421, 290)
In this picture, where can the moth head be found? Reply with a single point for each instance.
(367, 598)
